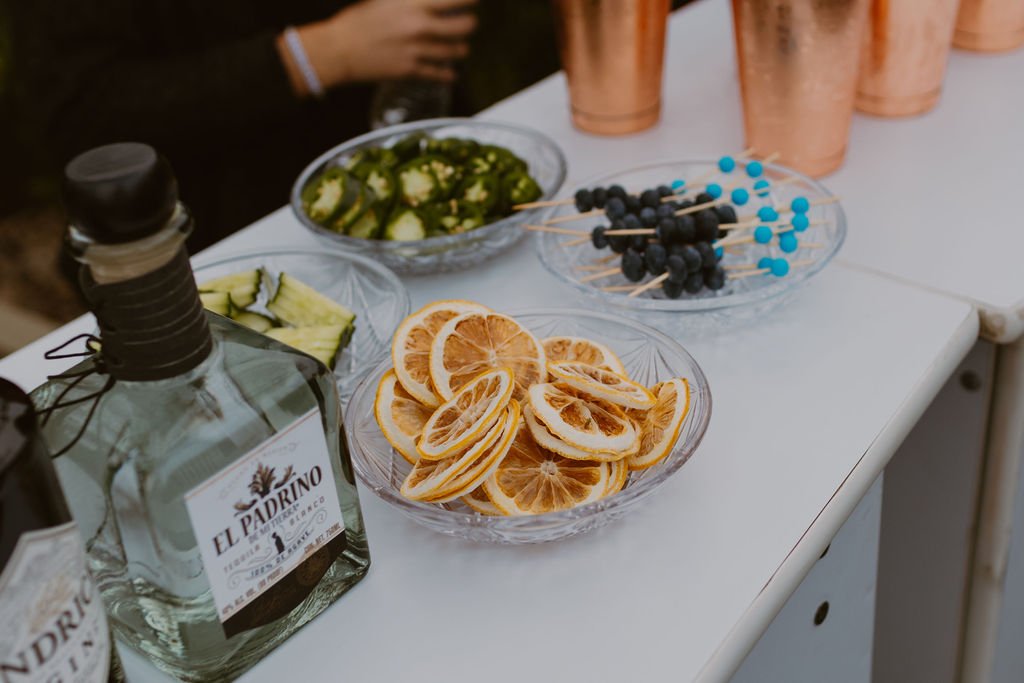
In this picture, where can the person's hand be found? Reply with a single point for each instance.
(389, 39)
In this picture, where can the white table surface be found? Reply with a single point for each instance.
(809, 405)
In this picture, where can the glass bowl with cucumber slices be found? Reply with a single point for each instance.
(429, 196)
(340, 308)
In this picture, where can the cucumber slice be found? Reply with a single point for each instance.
(217, 302)
(323, 342)
(254, 321)
(368, 225)
(298, 304)
(243, 287)
(405, 225)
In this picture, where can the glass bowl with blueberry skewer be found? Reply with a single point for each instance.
(682, 237)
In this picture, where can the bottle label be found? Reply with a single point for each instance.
(54, 626)
(261, 517)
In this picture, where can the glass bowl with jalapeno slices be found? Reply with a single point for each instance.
(429, 196)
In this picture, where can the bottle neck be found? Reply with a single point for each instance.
(152, 323)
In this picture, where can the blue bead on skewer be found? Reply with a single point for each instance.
(740, 196)
(800, 205)
(761, 187)
(768, 213)
(726, 164)
(719, 252)
(678, 184)
(765, 263)
(714, 189)
(755, 169)
(800, 222)
(780, 267)
(762, 234)
(788, 242)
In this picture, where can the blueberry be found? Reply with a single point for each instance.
(633, 266)
(665, 191)
(704, 198)
(676, 268)
(672, 289)
(618, 243)
(679, 250)
(598, 238)
(638, 242)
(693, 258)
(584, 200)
(617, 191)
(666, 230)
(707, 224)
(615, 207)
(707, 255)
(648, 217)
(694, 283)
(665, 211)
(726, 213)
(600, 197)
(656, 258)
(686, 228)
(633, 204)
(650, 198)
(714, 278)
(631, 222)
(685, 204)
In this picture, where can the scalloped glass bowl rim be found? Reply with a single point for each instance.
(317, 165)
(758, 295)
(681, 453)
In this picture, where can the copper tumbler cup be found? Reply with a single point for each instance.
(798, 64)
(990, 25)
(906, 46)
(612, 52)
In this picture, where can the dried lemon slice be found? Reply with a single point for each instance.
(477, 500)
(475, 342)
(485, 463)
(427, 477)
(532, 480)
(549, 441)
(581, 420)
(582, 350)
(617, 480)
(602, 384)
(410, 349)
(659, 429)
(400, 416)
(461, 421)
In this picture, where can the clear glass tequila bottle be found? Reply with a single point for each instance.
(209, 475)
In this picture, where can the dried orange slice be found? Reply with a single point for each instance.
(549, 441)
(582, 350)
(485, 463)
(660, 427)
(477, 500)
(400, 416)
(617, 480)
(428, 476)
(581, 420)
(461, 421)
(476, 342)
(532, 480)
(410, 349)
(601, 383)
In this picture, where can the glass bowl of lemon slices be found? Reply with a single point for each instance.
(524, 427)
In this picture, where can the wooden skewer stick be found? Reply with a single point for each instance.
(606, 259)
(574, 217)
(740, 266)
(545, 203)
(593, 267)
(749, 273)
(603, 273)
(557, 231)
(631, 231)
(756, 223)
(650, 285)
(784, 208)
(699, 207)
(619, 288)
(749, 151)
(576, 242)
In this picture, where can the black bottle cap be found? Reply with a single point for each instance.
(119, 193)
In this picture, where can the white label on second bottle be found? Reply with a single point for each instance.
(263, 515)
(54, 626)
